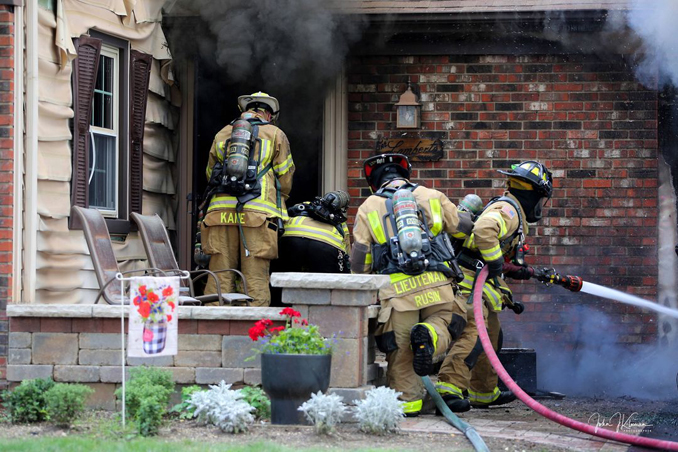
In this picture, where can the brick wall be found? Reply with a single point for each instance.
(588, 120)
(6, 174)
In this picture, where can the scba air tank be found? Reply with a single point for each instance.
(405, 211)
(238, 153)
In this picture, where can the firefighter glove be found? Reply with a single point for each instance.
(519, 273)
(495, 268)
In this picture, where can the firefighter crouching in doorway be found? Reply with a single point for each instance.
(417, 309)
(466, 377)
(250, 171)
(316, 237)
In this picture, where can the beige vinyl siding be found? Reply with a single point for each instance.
(64, 268)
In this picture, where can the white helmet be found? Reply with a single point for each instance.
(263, 99)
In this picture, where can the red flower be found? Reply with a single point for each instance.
(277, 329)
(169, 318)
(152, 297)
(304, 322)
(171, 305)
(137, 301)
(257, 331)
(142, 290)
(167, 291)
(264, 323)
(290, 312)
(144, 309)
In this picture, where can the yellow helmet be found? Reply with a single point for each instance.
(260, 99)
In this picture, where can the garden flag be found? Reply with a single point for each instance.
(153, 316)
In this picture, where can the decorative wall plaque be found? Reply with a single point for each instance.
(417, 149)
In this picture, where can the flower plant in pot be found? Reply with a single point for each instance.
(295, 362)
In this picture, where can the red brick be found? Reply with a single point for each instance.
(112, 325)
(188, 326)
(87, 326)
(57, 325)
(24, 324)
(214, 327)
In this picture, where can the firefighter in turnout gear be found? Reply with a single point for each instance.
(466, 377)
(316, 237)
(250, 173)
(416, 317)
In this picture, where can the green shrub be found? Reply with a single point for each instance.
(26, 403)
(150, 388)
(256, 397)
(66, 402)
(149, 416)
(146, 382)
(185, 409)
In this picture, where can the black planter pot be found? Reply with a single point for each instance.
(289, 381)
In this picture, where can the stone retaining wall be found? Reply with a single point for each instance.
(82, 343)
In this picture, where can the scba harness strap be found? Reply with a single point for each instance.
(436, 250)
(247, 188)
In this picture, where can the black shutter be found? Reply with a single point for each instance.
(85, 67)
(140, 73)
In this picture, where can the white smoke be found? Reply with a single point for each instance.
(598, 366)
(655, 23)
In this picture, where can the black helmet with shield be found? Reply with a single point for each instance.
(384, 167)
(531, 183)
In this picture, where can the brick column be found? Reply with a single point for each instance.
(6, 175)
(343, 307)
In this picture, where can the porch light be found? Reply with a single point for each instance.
(408, 110)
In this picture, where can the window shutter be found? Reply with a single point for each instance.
(140, 72)
(85, 68)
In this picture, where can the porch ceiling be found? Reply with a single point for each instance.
(475, 6)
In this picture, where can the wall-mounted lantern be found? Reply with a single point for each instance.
(408, 110)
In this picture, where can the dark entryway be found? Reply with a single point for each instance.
(300, 118)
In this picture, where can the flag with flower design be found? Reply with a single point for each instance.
(153, 320)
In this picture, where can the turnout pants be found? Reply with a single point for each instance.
(225, 246)
(297, 254)
(400, 373)
(466, 366)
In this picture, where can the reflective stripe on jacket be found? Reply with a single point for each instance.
(274, 151)
(489, 238)
(310, 228)
(408, 292)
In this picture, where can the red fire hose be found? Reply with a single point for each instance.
(538, 407)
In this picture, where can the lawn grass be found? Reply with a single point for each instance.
(80, 444)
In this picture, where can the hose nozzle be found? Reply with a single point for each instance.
(569, 282)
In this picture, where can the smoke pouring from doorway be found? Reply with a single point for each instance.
(288, 43)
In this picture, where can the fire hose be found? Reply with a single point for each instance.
(536, 406)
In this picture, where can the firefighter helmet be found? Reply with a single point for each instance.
(535, 173)
(260, 99)
(377, 166)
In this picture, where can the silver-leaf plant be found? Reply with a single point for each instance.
(380, 411)
(222, 407)
(324, 411)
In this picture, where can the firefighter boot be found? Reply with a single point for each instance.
(423, 339)
(503, 398)
(413, 408)
(455, 404)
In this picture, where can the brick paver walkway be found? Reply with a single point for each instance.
(543, 433)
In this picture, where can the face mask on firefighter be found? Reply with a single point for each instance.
(531, 203)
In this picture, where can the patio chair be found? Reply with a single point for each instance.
(160, 255)
(104, 261)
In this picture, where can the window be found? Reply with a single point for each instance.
(103, 179)
(110, 89)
